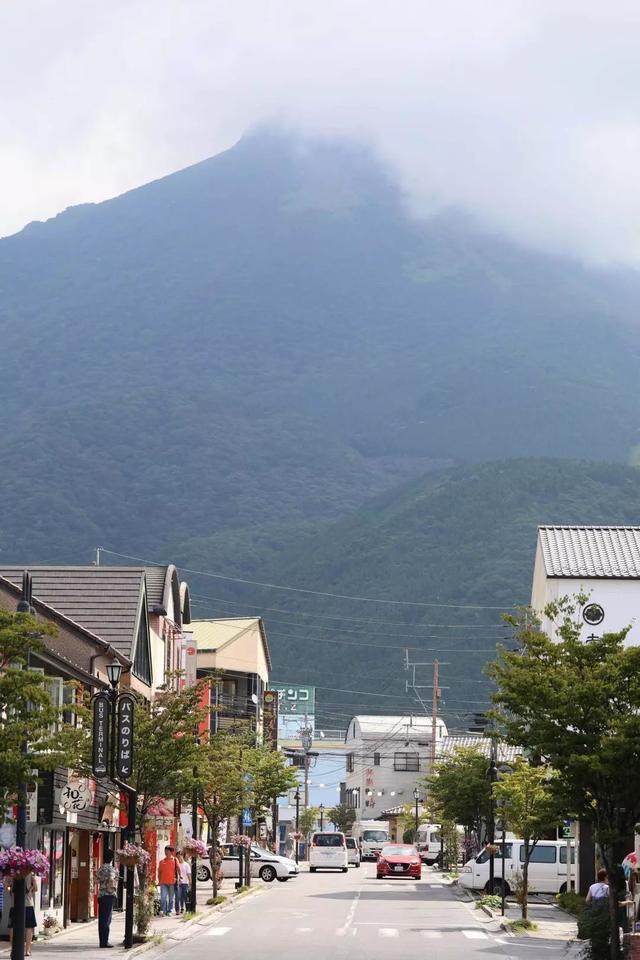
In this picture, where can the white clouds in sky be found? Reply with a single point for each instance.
(526, 112)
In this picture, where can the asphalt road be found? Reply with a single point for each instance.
(335, 916)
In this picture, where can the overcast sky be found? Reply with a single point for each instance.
(524, 111)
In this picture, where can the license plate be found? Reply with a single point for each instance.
(399, 868)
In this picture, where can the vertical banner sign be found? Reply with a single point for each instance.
(124, 737)
(101, 728)
(271, 718)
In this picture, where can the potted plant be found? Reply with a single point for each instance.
(133, 855)
(195, 848)
(16, 863)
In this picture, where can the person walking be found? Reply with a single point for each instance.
(184, 883)
(107, 884)
(167, 879)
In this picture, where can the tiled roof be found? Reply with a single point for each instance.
(612, 552)
(506, 753)
(104, 600)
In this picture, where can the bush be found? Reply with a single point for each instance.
(214, 901)
(571, 902)
(492, 901)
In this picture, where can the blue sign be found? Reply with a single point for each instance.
(246, 818)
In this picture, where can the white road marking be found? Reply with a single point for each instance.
(388, 932)
(436, 886)
(341, 931)
(218, 931)
(431, 934)
(474, 934)
(304, 929)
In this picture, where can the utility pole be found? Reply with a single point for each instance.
(434, 714)
(297, 799)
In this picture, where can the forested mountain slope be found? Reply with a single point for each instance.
(269, 338)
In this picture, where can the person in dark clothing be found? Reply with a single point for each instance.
(107, 882)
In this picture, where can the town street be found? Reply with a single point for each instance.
(333, 915)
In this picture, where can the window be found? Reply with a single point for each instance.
(484, 856)
(540, 854)
(376, 759)
(349, 763)
(563, 854)
(328, 840)
(409, 762)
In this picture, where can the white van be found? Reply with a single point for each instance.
(547, 867)
(429, 843)
(328, 851)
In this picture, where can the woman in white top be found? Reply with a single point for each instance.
(599, 891)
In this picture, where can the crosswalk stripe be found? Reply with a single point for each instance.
(436, 886)
(388, 932)
(304, 929)
(431, 934)
(218, 931)
(475, 934)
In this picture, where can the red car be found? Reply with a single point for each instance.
(399, 860)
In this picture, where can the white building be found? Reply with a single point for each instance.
(386, 758)
(602, 562)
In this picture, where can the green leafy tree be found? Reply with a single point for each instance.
(342, 817)
(270, 776)
(308, 820)
(531, 807)
(221, 784)
(33, 735)
(576, 705)
(459, 791)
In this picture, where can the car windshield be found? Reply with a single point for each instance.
(328, 840)
(375, 836)
(398, 850)
(261, 851)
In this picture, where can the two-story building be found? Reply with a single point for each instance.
(236, 651)
(386, 757)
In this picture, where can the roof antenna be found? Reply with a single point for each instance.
(96, 562)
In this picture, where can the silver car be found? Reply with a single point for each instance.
(353, 852)
(264, 864)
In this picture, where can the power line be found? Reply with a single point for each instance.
(327, 616)
(315, 593)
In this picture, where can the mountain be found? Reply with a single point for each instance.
(269, 338)
(459, 541)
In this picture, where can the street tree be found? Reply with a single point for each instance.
(221, 785)
(531, 807)
(459, 791)
(342, 817)
(33, 735)
(308, 820)
(270, 776)
(576, 706)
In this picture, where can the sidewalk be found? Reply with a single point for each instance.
(81, 939)
(552, 923)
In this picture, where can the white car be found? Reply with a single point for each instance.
(264, 864)
(328, 851)
(353, 852)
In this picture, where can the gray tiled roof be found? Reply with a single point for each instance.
(593, 552)
(506, 753)
(104, 600)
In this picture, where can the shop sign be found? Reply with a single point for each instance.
(74, 798)
(101, 719)
(124, 736)
(270, 701)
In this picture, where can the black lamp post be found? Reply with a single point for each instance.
(492, 777)
(321, 808)
(416, 797)
(297, 799)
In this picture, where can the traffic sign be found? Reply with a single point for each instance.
(246, 818)
(568, 829)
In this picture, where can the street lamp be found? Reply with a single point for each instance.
(492, 777)
(321, 808)
(114, 672)
(297, 799)
(416, 797)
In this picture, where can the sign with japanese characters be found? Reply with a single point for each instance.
(75, 797)
(271, 718)
(101, 735)
(295, 700)
(124, 736)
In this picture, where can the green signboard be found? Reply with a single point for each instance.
(295, 701)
